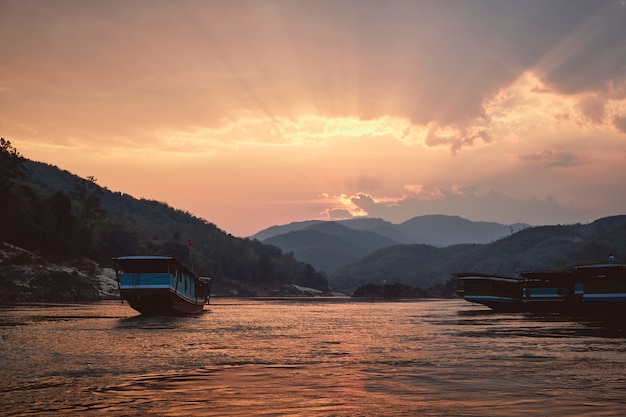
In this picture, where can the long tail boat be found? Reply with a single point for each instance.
(583, 289)
(161, 285)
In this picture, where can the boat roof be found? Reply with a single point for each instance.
(143, 257)
(138, 259)
(482, 275)
(549, 272)
(603, 265)
(479, 274)
(567, 272)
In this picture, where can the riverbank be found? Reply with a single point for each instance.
(26, 276)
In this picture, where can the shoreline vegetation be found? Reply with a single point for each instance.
(26, 276)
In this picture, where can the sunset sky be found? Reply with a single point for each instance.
(256, 113)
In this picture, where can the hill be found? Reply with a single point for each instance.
(329, 246)
(544, 247)
(436, 230)
(440, 230)
(63, 217)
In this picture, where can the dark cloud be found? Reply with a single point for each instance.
(553, 158)
(593, 108)
(458, 141)
(620, 123)
(590, 54)
(339, 214)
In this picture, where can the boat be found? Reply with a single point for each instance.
(161, 285)
(581, 290)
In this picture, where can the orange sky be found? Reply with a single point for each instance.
(256, 113)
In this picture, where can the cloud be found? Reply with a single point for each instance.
(620, 123)
(457, 139)
(339, 214)
(553, 158)
(126, 67)
(589, 53)
(593, 108)
(468, 202)
(352, 98)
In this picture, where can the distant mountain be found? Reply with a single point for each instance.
(282, 229)
(440, 230)
(330, 245)
(380, 227)
(543, 247)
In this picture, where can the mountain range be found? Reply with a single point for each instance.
(46, 213)
(331, 245)
(541, 247)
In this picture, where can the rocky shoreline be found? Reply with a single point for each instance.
(28, 277)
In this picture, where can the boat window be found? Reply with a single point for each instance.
(144, 266)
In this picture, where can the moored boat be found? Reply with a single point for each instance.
(161, 285)
(498, 292)
(584, 289)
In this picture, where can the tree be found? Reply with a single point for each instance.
(91, 214)
(88, 193)
(11, 167)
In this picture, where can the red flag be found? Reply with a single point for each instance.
(189, 243)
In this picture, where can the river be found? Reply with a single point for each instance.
(308, 357)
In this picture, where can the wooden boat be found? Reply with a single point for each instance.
(161, 285)
(585, 289)
(498, 292)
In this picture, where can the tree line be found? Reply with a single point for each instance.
(58, 224)
(63, 216)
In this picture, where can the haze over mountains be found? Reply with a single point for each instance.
(329, 246)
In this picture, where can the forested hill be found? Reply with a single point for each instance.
(541, 247)
(63, 216)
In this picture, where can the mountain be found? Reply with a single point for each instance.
(436, 230)
(440, 230)
(61, 216)
(543, 247)
(282, 229)
(329, 245)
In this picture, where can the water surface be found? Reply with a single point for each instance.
(308, 357)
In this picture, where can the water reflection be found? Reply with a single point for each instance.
(306, 357)
(543, 325)
(157, 322)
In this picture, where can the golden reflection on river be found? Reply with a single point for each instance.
(304, 357)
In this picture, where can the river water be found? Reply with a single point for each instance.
(308, 357)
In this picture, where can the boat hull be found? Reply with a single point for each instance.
(160, 302)
(615, 309)
(587, 290)
(161, 285)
